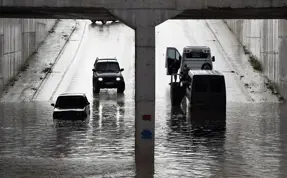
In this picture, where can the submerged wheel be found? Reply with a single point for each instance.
(121, 90)
(177, 93)
(96, 89)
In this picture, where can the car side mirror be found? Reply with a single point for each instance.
(213, 58)
(94, 70)
(122, 69)
(53, 104)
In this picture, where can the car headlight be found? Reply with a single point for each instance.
(118, 78)
(100, 79)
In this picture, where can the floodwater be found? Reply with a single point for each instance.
(253, 143)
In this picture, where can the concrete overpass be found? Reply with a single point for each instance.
(129, 11)
(143, 16)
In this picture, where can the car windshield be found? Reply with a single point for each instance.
(196, 54)
(71, 102)
(213, 84)
(108, 67)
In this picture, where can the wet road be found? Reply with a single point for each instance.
(254, 143)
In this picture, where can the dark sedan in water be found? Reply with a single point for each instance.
(71, 106)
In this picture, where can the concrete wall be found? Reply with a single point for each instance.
(19, 38)
(267, 40)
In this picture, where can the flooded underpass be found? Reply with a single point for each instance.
(252, 144)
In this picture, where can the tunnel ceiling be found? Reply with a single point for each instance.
(104, 14)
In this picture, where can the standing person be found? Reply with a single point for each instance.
(175, 67)
(174, 72)
(185, 72)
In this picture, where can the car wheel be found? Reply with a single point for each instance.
(206, 66)
(121, 89)
(96, 89)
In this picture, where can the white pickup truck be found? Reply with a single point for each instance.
(194, 57)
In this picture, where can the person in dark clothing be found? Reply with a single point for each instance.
(184, 73)
(174, 69)
(174, 72)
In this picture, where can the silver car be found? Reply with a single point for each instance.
(71, 106)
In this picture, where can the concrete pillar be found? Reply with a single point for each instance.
(144, 22)
(1, 54)
(145, 93)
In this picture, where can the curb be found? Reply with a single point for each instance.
(69, 65)
(46, 76)
(247, 94)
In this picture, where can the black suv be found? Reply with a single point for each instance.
(107, 74)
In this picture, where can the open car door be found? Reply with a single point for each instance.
(172, 60)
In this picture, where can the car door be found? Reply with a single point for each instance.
(172, 60)
(189, 91)
(87, 107)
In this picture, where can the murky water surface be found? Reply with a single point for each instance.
(253, 144)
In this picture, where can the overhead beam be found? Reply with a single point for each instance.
(63, 13)
(103, 14)
(146, 4)
(229, 13)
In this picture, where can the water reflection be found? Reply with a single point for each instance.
(198, 121)
(109, 111)
(178, 121)
(70, 138)
(144, 170)
(186, 120)
(110, 124)
(195, 148)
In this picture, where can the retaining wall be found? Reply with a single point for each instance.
(19, 38)
(267, 40)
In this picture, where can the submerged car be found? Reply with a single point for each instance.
(107, 74)
(71, 106)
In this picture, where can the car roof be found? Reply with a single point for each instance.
(204, 72)
(196, 47)
(73, 94)
(106, 60)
